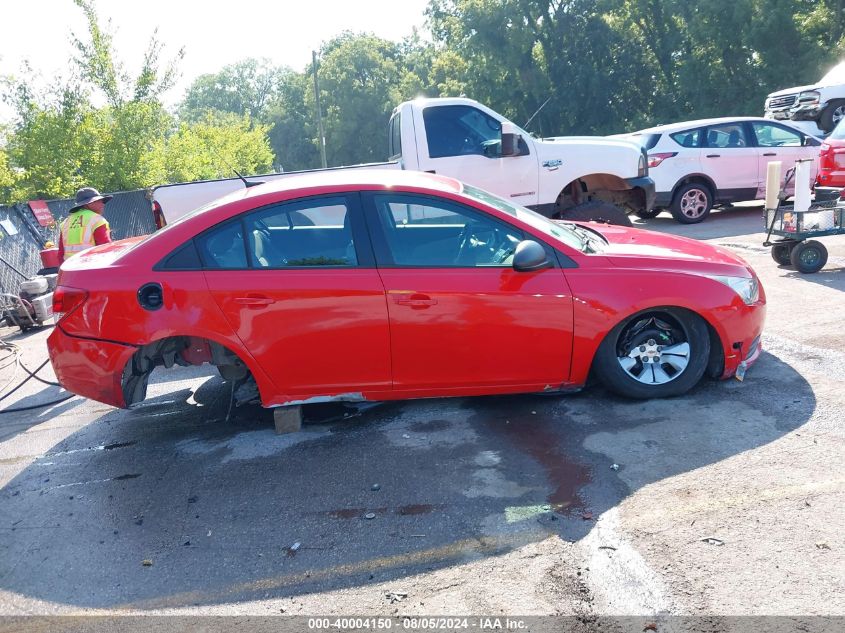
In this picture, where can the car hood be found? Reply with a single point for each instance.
(791, 91)
(636, 248)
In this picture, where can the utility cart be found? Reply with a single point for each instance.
(796, 248)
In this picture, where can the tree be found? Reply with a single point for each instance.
(211, 148)
(245, 88)
(96, 60)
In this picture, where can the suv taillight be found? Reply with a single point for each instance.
(655, 159)
(66, 300)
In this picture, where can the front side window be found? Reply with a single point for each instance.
(769, 135)
(222, 247)
(304, 233)
(421, 231)
(460, 130)
(727, 136)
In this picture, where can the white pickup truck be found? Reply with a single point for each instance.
(822, 103)
(575, 178)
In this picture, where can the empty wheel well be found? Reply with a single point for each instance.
(183, 351)
(606, 187)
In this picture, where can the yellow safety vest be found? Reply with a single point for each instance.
(78, 230)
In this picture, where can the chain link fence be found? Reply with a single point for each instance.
(129, 215)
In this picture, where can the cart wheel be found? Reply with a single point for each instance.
(781, 252)
(808, 257)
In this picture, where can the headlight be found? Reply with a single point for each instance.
(808, 97)
(748, 288)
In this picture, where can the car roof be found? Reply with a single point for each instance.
(357, 177)
(685, 125)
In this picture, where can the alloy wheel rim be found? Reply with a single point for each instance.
(694, 203)
(654, 364)
(838, 114)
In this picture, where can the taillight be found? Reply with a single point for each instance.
(158, 215)
(655, 159)
(66, 300)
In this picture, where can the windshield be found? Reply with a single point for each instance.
(563, 233)
(835, 75)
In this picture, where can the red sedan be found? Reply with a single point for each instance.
(383, 285)
(832, 159)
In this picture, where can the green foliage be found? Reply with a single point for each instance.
(605, 66)
(61, 141)
(210, 148)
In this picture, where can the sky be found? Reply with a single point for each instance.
(213, 33)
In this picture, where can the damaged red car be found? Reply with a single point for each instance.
(382, 285)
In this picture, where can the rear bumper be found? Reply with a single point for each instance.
(88, 367)
(831, 177)
(742, 340)
(647, 185)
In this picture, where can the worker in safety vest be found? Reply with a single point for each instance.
(85, 226)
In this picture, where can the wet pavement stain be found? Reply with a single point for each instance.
(103, 447)
(430, 426)
(534, 434)
(406, 510)
(418, 508)
(125, 477)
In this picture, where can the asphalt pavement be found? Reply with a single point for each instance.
(726, 501)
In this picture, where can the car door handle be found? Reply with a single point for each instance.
(415, 300)
(770, 154)
(713, 155)
(254, 301)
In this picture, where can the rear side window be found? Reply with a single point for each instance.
(727, 136)
(394, 141)
(687, 138)
(223, 247)
(183, 258)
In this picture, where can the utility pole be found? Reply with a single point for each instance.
(319, 110)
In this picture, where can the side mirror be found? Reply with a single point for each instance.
(530, 256)
(510, 140)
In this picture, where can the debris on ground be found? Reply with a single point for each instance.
(375, 487)
(651, 626)
(822, 545)
(147, 562)
(291, 551)
(712, 541)
(587, 516)
(614, 467)
(370, 515)
(395, 596)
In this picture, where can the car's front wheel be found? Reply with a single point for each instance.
(654, 354)
(692, 203)
(832, 115)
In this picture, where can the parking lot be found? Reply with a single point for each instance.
(726, 501)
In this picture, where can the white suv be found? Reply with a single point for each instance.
(698, 164)
(822, 102)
